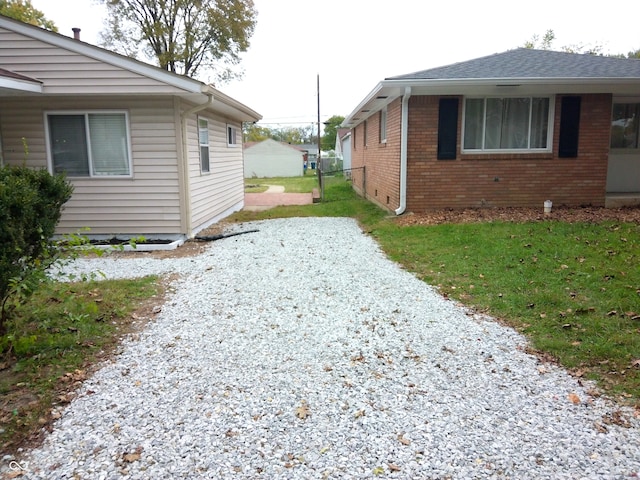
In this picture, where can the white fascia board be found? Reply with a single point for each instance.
(20, 85)
(462, 86)
(350, 121)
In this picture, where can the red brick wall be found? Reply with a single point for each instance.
(521, 180)
(381, 160)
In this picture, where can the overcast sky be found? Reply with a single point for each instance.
(353, 44)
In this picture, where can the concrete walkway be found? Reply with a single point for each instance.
(274, 196)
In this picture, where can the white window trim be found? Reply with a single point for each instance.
(200, 145)
(550, 125)
(383, 131)
(236, 130)
(86, 114)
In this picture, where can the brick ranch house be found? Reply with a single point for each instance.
(508, 130)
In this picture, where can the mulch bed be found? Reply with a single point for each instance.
(562, 214)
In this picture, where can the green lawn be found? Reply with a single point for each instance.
(304, 184)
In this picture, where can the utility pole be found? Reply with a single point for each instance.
(318, 160)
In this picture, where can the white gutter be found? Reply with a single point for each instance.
(208, 91)
(404, 136)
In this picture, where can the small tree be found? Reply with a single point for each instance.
(330, 131)
(30, 207)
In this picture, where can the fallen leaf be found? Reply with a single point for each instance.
(359, 413)
(404, 440)
(303, 411)
(131, 457)
(378, 470)
(575, 399)
(393, 467)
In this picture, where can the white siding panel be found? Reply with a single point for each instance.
(65, 72)
(222, 188)
(148, 203)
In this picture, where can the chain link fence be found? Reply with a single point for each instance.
(337, 184)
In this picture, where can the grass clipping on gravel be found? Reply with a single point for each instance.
(572, 288)
(53, 341)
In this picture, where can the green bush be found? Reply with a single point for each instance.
(30, 207)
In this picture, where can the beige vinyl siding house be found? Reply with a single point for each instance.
(126, 134)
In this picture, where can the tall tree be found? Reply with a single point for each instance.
(543, 43)
(330, 131)
(25, 12)
(188, 37)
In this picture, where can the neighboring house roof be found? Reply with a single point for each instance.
(186, 87)
(523, 70)
(298, 148)
(343, 132)
(311, 148)
(11, 82)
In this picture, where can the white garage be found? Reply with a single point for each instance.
(270, 158)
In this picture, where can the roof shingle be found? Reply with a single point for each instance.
(529, 63)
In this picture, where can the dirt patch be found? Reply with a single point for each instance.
(520, 215)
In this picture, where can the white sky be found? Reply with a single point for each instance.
(353, 44)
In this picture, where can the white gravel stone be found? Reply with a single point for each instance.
(300, 351)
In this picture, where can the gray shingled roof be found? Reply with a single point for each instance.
(528, 63)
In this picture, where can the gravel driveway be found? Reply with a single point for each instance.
(300, 351)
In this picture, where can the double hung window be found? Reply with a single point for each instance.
(203, 139)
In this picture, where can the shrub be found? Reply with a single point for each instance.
(30, 207)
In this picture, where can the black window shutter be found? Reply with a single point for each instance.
(569, 127)
(447, 128)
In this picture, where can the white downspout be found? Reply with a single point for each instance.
(208, 91)
(404, 136)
